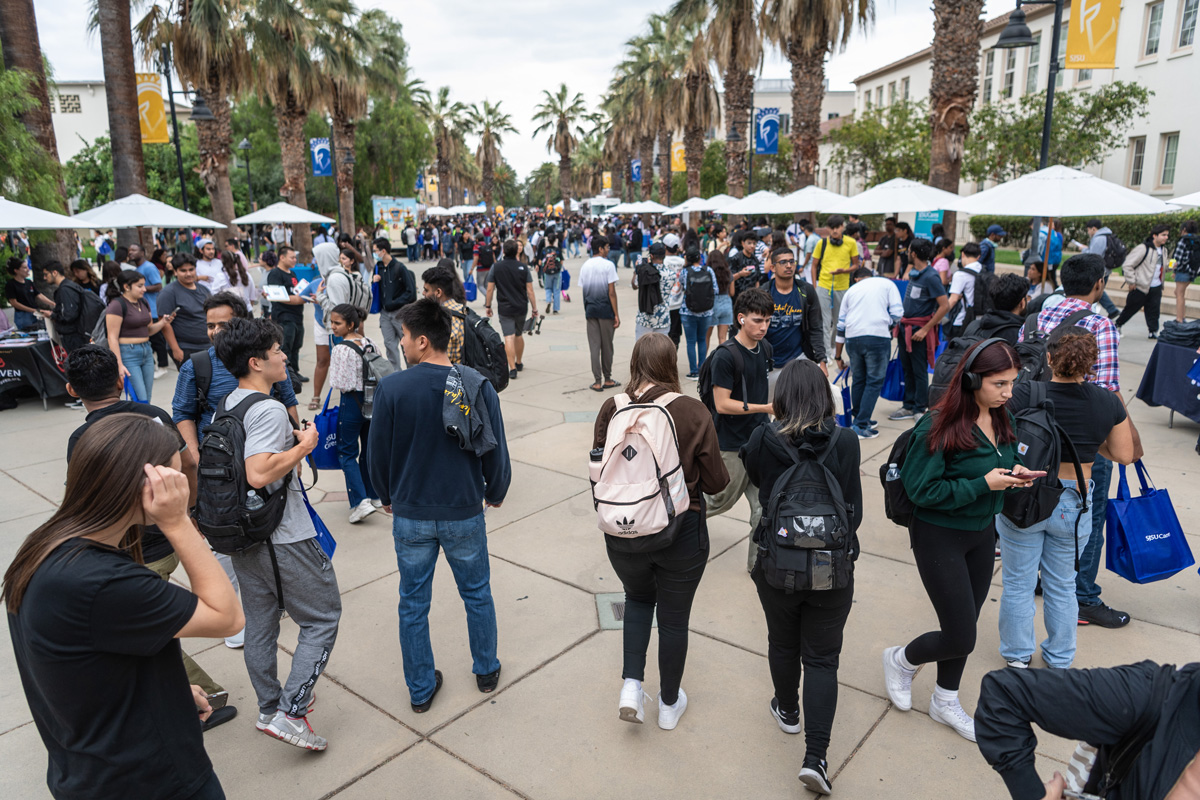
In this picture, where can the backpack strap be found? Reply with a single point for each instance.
(202, 373)
(1031, 327)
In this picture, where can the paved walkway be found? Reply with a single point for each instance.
(551, 730)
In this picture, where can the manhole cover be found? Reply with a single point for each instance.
(610, 608)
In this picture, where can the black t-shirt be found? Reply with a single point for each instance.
(95, 646)
(466, 248)
(21, 291)
(154, 545)
(733, 430)
(1087, 413)
(289, 281)
(511, 278)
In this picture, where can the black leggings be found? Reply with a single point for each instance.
(956, 568)
(805, 628)
(667, 579)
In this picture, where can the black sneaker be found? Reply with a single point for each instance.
(1152, 335)
(421, 708)
(487, 683)
(520, 366)
(1103, 616)
(1116, 312)
(218, 717)
(815, 777)
(512, 374)
(789, 721)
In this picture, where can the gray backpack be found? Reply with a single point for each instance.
(375, 369)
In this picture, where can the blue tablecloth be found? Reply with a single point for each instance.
(1166, 381)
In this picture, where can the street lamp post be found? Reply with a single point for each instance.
(200, 113)
(244, 147)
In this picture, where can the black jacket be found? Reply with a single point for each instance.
(68, 307)
(397, 287)
(1098, 706)
(1004, 324)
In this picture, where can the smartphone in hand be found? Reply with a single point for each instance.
(217, 700)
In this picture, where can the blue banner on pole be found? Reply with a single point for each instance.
(766, 131)
(420, 181)
(322, 162)
(635, 170)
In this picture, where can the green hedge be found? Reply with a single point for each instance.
(1131, 230)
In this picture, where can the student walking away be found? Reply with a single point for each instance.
(551, 274)
(1104, 243)
(412, 455)
(441, 284)
(598, 284)
(397, 288)
(807, 471)
(1138, 721)
(733, 384)
(834, 259)
(96, 634)
(655, 282)
(1187, 265)
(969, 297)
(1008, 294)
(722, 316)
(925, 304)
(355, 370)
(960, 460)
(660, 568)
(27, 302)
(1143, 272)
(128, 326)
(987, 248)
(510, 282)
(76, 310)
(154, 285)
(1063, 422)
(699, 296)
(183, 300)
(797, 327)
(870, 309)
(288, 314)
(291, 572)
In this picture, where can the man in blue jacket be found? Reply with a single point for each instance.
(436, 489)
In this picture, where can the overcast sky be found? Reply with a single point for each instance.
(510, 50)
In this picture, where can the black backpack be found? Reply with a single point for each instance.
(805, 541)
(1114, 252)
(704, 382)
(698, 293)
(1033, 346)
(947, 363)
(897, 505)
(483, 349)
(982, 303)
(91, 308)
(649, 283)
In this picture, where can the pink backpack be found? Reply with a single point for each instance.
(637, 481)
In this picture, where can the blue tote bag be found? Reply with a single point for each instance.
(376, 303)
(325, 456)
(893, 380)
(1145, 540)
(842, 382)
(131, 394)
(324, 538)
(470, 289)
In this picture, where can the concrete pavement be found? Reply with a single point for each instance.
(551, 730)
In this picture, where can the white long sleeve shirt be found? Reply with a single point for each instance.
(870, 308)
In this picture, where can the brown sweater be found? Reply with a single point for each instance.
(699, 451)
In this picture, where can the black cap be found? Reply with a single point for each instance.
(658, 249)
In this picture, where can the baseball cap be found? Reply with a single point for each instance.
(996, 229)
(658, 249)
(670, 241)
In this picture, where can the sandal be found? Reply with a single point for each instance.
(595, 387)
(610, 385)
(314, 404)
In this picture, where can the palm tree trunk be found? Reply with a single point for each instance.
(290, 121)
(693, 156)
(215, 139)
(957, 28)
(646, 154)
(443, 172)
(664, 166)
(489, 186)
(120, 90)
(738, 88)
(23, 50)
(346, 133)
(627, 178)
(808, 90)
(564, 181)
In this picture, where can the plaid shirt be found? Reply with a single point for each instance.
(1107, 371)
(456, 332)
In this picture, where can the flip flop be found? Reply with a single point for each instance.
(595, 387)
(314, 404)
(610, 385)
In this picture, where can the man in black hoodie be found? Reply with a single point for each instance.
(397, 288)
(1009, 295)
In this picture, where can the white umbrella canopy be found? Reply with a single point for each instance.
(139, 211)
(718, 202)
(810, 198)
(689, 205)
(286, 213)
(1192, 199)
(18, 216)
(438, 211)
(1060, 191)
(761, 202)
(897, 195)
(650, 207)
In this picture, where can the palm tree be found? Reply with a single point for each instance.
(490, 124)
(444, 118)
(806, 30)
(700, 109)
(564, 115)
(120, 91)
(208, 43)
(588, 165)
(957, 27)
(23, 51)
(732, 30)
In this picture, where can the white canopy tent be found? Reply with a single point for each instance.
(718, 201)
(16, 216)
(810, 198)
(139, 211)
(690, 205)
(761, 202)
(438, 211)
(1188, 200)
(898, 194)
(285, 213)
(641, 207)
(1060, 191)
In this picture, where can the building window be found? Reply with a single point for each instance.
(879, 96)
(1137, 159)
(892, 93)
(1010, 74)
(832, 115)
(1062, 56)
(868, 96)
(1154, 18)
(1189, 10)
(989, 66)
(825, 176)
(1083, 76)
(904, 84)
(1170, 152)
(1031, 69)
(785, 124)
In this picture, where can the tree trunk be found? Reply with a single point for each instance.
(738, 89)
(443, 174)
(489, 187)
(693, 156)
(664, 166)
(564, 181)
(957, 28)
(627, 178)
(23, 50)
(808, 91)
(346, 133)
(646, 154)
(293, 151)
(216, 153)
(120, 91)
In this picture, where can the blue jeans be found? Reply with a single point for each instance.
(631, 257)
(615, 257)
(25, 321)
(553, 284)
(351, 441)
(694, 327)
(139, 360)
(1050, 546)
(1086, 590)
(465, 545)
(574, 247)
(869, 356)
(412, 252)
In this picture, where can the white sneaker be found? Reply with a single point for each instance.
(361, 511)
(377, 503)
(668, 716)
(898, 679)
(159, 372)
(263, 721)
(952, 715)
(236, 641)
(294, 731)
(632, 696)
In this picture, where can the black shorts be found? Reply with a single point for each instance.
(512, 326)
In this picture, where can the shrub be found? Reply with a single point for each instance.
(1129, 229)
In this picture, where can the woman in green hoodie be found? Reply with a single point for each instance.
(961, 458)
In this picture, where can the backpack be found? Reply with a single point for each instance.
(947, 363)
(638, 488)
(897, 505)
(375, 369)
(804, 540)
(982, 303)
(100, 326)
(1032, 348)
(704, 382)
(360, 292)
(649, 283)
(698, 293)
(483, 349)
(1114, 252)
(91, 309)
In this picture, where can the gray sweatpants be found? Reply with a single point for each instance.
(310, 595)
(389, 323)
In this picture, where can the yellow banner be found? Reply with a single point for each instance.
(151, 115)
(607, 180)
(1092, 34)
(678, 162)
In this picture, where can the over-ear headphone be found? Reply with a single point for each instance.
(973, 381)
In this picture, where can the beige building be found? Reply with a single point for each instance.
(79, 112)
(777, 93)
